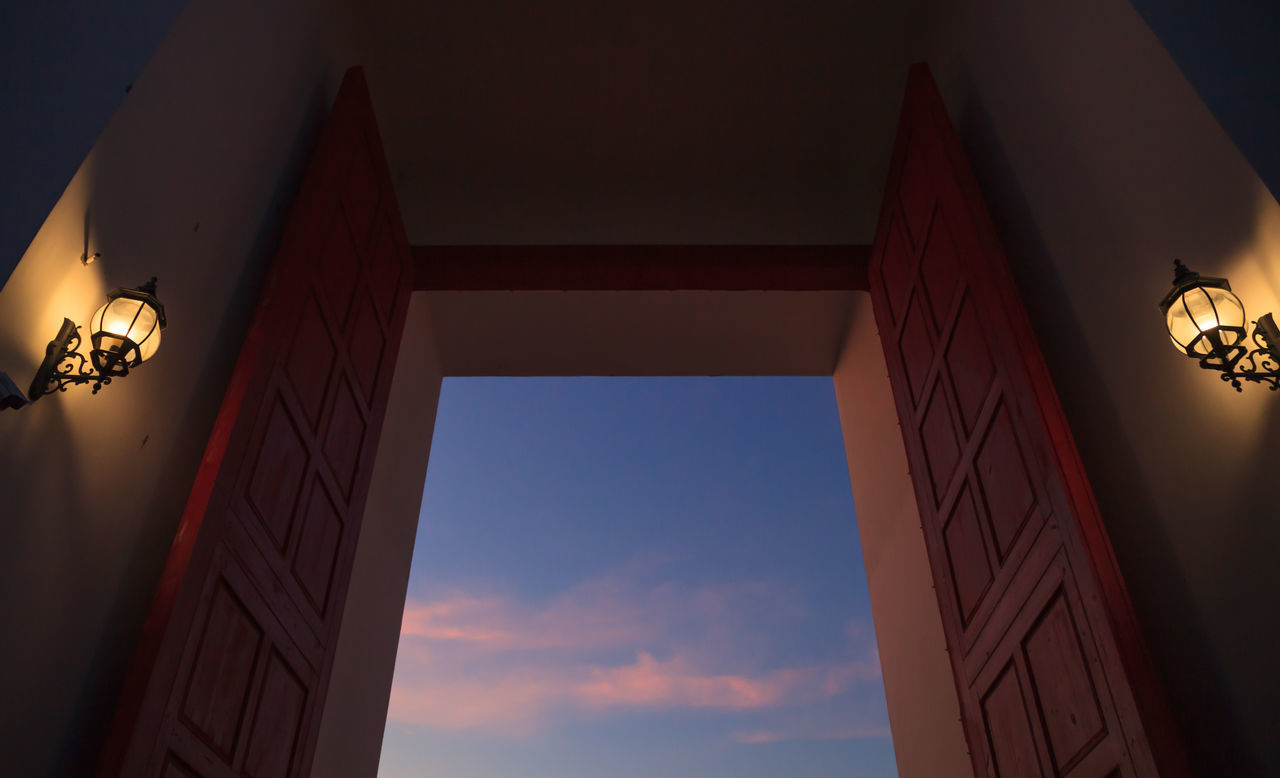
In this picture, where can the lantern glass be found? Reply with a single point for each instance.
(124, 323)
(1203, 311)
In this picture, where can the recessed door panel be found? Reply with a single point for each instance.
(231, 677)
(1030, 603)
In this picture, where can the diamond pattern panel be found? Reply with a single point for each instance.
(915, 347)
(967, 555)
(916, 192)
(345, 438)
(938, 436)
(310, 360)
(1009, 732)
(1060, 676)
(939, 271)
(1005, 482)
(360, 196)
(277, 474)
(216, 695)
(339, 267)
(896, 268)
(384, 267)
(366, 346)
(176, 768)
(274, 739)
(969, 364)
(317, 551)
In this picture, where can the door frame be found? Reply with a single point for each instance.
(923, 708)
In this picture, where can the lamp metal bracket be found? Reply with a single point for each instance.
(1260, 365)
(65, 366)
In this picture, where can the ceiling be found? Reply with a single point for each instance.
(571, 121)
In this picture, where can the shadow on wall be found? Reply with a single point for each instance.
(93, 485)
(1185, 652)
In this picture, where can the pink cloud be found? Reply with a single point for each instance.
(516, 699)
(603, 613)
(489, 662)
(609, 612)
(512, 702)
(649, 683)
(458, 619)
(675, 683)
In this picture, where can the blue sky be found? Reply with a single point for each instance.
(637, 577)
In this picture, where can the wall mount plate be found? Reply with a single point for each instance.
(10, 395)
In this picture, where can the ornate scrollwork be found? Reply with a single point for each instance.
(72, 368)
(1259, 366)
(65, 366)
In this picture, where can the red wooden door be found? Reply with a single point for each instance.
(231, 676)
(1049, 664)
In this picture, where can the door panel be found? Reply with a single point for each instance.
(1050, 668)
(231, 676)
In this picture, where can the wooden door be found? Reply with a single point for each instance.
(231, 675)
(1050, 666)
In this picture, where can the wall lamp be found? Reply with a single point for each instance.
(1206, 322)
(125, 333)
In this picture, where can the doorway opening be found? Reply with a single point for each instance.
(637, 576)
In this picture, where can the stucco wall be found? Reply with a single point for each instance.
(189, 182)
(1101, 164)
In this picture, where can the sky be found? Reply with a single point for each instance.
(637, 577)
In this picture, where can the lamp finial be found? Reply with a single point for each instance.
(1182, 274)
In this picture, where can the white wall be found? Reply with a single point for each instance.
(924, 712)
(1101, 164)
(189, 181)
(655, 333)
